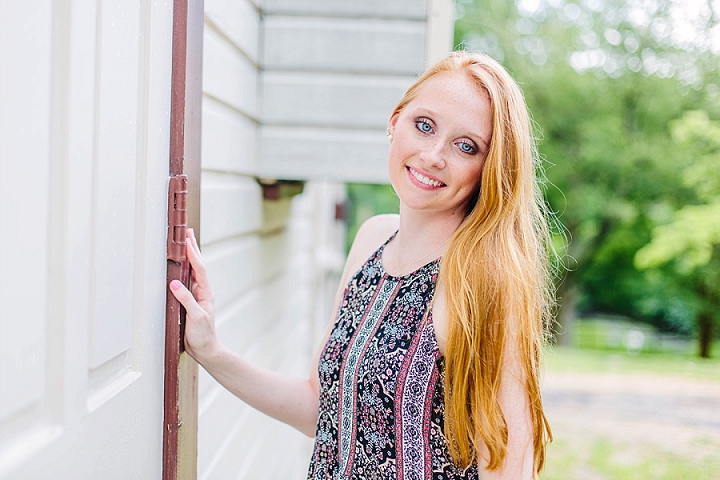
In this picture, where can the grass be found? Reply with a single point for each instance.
(603, 458)
(561, 359)
(602, 350)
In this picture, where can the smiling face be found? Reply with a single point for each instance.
(439, 143)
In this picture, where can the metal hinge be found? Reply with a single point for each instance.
(177, 218)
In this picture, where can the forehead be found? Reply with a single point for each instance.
(458, 98)
(453, 84)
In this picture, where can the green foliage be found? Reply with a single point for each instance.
(690, 243)
(607, 83)
(365, 201)
(694, 233)
(689, 239)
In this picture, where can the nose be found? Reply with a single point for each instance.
(434, 156)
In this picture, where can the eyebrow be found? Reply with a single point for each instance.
(486, 143)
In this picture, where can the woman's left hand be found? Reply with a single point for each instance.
(200, 338)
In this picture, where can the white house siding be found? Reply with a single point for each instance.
(260, 258)
(332, 73)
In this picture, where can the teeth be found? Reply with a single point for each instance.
(425, 180)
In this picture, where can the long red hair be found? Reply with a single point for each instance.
(495, 268)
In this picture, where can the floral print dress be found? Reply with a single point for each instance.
(381, 373)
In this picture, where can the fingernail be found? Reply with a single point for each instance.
(175, 284)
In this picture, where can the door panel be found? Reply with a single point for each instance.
(23, 256)
(84, 136)
(115, 167)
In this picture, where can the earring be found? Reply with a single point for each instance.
(389, 135)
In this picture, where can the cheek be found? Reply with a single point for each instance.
(396, 160)
(395, 168)
(393, 160)
(472, 189)
(472, 178)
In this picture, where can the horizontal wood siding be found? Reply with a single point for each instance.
(229, 76)
(231, 206)
(231, 214)
(233, 267)
(330, 100)
(260, 286)
(272, 308)
(315, 150)
(264, 313)
(335, 66)
(415, 9)
(228, 138)
(238, 21)
(343, 45)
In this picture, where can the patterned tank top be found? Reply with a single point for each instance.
(381, 373)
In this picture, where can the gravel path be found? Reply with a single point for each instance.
(679, 415)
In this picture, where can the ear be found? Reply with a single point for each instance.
(393, 122)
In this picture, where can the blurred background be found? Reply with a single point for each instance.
(626, 100)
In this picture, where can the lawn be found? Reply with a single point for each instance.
(613, 460)
(618, 360)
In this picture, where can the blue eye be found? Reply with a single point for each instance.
(466, 147)
(424, 126)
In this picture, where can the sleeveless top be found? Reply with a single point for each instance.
(382, 408)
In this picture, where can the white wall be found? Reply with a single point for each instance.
(332, 73)
(260, 258)
(273, 312)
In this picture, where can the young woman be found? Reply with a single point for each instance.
(430, 368)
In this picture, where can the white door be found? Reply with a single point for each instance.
(84, 118)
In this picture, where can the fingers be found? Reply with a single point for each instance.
(193, 253)
(193, 240)
(186, 298)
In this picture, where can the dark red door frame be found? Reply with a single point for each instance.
(180, 406)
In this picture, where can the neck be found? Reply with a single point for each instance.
(422, 237)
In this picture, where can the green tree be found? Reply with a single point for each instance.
(603, 80)
(366, 200)
(690, 242)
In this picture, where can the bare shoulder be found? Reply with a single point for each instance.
(372, 233)
(375, 230)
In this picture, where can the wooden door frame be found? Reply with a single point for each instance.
(181, 371)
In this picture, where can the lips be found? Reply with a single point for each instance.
(430, 182)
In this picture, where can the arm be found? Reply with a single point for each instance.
(288, 399)
(514, 402)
